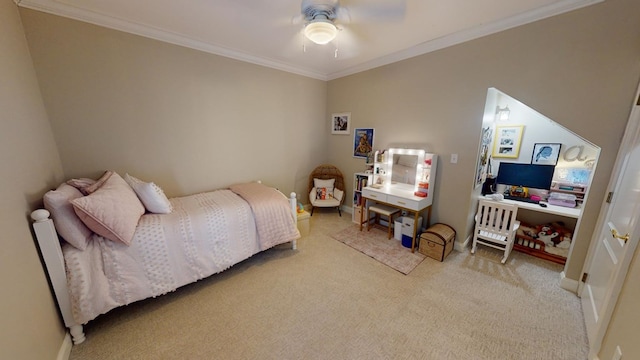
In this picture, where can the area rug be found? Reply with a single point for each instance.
(375, 244)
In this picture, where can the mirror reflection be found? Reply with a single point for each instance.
(403, 168)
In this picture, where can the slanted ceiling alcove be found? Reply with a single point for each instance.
(574, 157)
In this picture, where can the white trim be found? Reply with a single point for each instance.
(57, 8)
(462, 247)
(64, 10)
(568, 284)
(65, 348)
(467, 35)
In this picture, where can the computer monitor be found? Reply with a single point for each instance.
(527, 175)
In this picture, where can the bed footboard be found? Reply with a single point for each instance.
(293, 202)
(51, 252)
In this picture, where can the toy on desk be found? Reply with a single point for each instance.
(300, 208)
(519, 191)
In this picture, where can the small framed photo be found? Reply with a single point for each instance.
(340, 123)
(545, 154)
(507, 141)
(362, 142)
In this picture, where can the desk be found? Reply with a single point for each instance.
(550, 209)
(399, 196)
(525, 246)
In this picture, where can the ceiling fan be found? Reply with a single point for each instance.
(320, 16)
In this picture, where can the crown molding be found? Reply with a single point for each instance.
(56, 8)
(467, 35)
(60, 9)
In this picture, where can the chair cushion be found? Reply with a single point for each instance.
(383, 209)
(325, 203)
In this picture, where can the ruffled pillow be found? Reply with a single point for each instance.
(112, 210)
(151, 195)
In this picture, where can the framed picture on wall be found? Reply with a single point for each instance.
(483, 157)
(545, 154)
(362, 142)
(507, 141)
(340, 123)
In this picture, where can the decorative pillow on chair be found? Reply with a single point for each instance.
(111, 211)
(151, 195)
(68, 224)
(326, 184)
(321, 193)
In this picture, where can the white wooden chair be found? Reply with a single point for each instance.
(496, 226)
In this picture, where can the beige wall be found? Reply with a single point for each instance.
(188, 120)
(31, 327)
(193, 121)
(580, 69)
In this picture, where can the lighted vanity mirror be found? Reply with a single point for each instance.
(406, 165)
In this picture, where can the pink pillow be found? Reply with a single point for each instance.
(112, 211)
(80, 183)
(68, 225)
(97, 184)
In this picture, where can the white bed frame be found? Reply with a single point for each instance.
(51, 251)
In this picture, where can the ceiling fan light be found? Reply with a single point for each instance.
(320, 31)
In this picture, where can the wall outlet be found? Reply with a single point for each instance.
(454, 158)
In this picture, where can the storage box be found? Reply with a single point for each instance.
(407, 241)
(407, 225)
(437, 241)
(397, 229)
(303, 223)
(566, 200)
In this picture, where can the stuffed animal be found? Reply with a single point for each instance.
(300, 208)
(548, 235)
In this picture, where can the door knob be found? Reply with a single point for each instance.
(624, 238)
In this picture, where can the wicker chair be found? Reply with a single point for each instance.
(321, 181)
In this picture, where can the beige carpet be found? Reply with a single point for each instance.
(375, 243)
(327, 301)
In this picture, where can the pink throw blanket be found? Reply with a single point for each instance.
(272, 213)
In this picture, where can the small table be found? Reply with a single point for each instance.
(399, 196)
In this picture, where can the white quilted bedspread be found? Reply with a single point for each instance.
(205, 234)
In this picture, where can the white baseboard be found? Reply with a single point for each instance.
(568, 284)
(65, 348)
(462, 246)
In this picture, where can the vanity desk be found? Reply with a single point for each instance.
(398, 175)
(398, 196)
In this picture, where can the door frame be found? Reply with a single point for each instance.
(631, 138)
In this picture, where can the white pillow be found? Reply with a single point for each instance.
(151, 195)
(111, 211)
(327, 184)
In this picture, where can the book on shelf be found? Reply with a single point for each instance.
(361, 182)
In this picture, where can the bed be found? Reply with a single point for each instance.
(155, 245)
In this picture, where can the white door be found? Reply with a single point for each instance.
(610, 256)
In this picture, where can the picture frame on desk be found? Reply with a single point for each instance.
(507, 141)
(545, 153)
